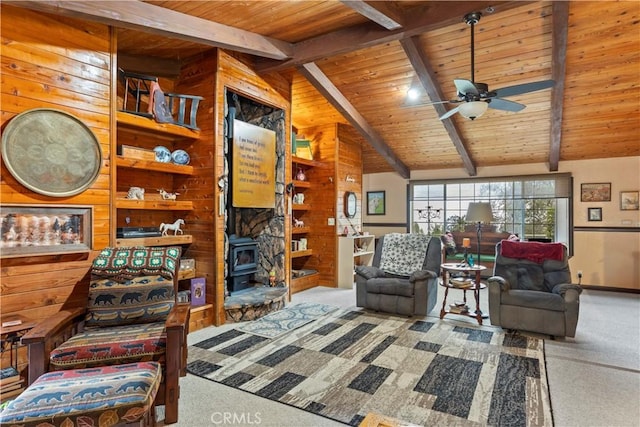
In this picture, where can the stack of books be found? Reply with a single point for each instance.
(461, 282)
(458, 307)
(11, 385)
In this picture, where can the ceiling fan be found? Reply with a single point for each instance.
(474, 98)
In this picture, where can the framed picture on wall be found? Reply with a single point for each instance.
(629, 201)
(375, 202)
(595, 214)
(595, 192)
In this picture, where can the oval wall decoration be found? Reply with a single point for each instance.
(51, 152)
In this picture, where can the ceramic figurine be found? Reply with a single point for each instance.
(168, 196)
(175, 227)
(135, 193)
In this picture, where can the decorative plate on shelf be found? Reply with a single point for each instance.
(51, 152)
(163, 155)
(180, 157)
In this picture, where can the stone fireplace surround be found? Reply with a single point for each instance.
(265, 226)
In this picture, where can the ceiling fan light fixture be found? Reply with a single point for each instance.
(472, 110)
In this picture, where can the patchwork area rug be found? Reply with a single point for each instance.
(350, 363)
(291, 317)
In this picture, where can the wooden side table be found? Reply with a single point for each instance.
(476, 286)
(12, 329)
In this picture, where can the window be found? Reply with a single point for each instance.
(536, 207)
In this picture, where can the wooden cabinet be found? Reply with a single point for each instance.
(302, 245)
(145, 134)
(353, 251)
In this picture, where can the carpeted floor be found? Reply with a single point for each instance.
(349, 363)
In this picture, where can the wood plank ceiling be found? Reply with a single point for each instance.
(353, 62)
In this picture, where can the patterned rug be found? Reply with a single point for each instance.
(279, 322)
(350, 363)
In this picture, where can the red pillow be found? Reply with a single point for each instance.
(532, 251)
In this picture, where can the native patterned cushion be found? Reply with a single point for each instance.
(139, 300)
(128, 262)
(104, 396)
(403, 253)
(110, 346)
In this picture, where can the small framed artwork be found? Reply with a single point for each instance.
(629, 201)
(595, 214)
(44, 230)
(375, 202)
(595, 192)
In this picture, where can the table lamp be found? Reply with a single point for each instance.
(466, 244)
(479, 213)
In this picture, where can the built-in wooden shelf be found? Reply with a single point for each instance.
(302, 283)
(186, 274)
(180, 239)
(300, 230)
(301, 161)
(155, 205)
(298, 254)
(300, 207)
(134, 123)
(124, 162)
(301, 184)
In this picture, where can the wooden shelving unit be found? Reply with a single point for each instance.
(299, 258)
(353, 251)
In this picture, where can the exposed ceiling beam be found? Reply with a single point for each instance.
(560, 13)
(384, 14)
(427, 17)
(158, 20)
(322, 83)
(427, 77)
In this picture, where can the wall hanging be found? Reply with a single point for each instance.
(51, 152)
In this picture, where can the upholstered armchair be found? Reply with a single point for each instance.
(403, 276)
(131, 316)
(531, 289)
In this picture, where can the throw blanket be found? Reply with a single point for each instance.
(532, 251)
(128, 262)
(402, 254)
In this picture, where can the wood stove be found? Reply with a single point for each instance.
(243, 263)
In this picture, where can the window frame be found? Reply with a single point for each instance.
(500, 190)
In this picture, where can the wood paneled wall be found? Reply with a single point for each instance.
(349, 175)
(65, 64)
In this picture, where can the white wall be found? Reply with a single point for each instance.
(606, 258)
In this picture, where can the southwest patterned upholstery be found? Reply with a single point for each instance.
(102, 397)
(110, 346)
(139, 300)
(131, 316)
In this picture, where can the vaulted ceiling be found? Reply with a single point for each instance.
(354, 61)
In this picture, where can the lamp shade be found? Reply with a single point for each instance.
(473, 109)
(479, 212)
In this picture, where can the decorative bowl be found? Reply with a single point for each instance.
(163, 154)
(180, 157)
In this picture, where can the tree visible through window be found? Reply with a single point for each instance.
(533, 207)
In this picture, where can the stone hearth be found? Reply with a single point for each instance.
(251, 304)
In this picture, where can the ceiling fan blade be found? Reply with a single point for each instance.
(449, 113)
(506, 105)
(465, 86)
(524, 88)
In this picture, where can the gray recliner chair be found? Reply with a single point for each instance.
(409, 292)
(531, 292)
